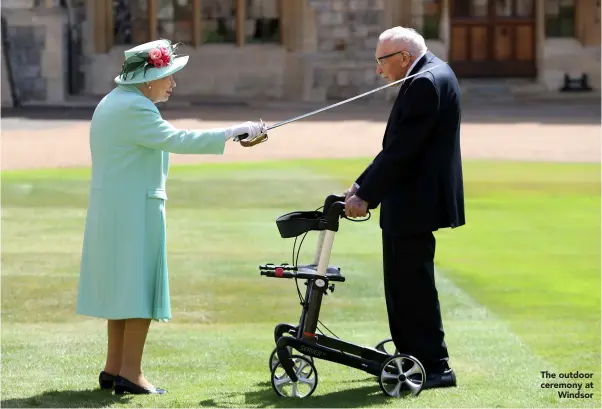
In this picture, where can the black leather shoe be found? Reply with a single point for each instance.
(122, 386)
(443, 379)
(106, 380)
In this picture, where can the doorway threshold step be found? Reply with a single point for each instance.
(500, 87)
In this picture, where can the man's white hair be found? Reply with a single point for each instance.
(405, 38)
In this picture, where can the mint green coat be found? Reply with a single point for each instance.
(123, 271)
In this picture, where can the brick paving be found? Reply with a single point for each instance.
(50, 138)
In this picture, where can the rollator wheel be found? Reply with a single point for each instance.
(274, 358)
(387, 346)
(307, 378)
(402, 375)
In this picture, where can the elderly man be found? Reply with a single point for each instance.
(417, 180)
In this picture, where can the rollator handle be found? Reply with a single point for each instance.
(337, 209)
(338, 201)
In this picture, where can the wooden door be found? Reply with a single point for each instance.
(588, 22)
(493, 38)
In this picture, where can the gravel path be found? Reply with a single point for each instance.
(552, 132)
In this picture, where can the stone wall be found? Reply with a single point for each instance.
(38, 53)
(213, 72)
(352, 26)
(568, 55)
(343, 65)
(331, 58)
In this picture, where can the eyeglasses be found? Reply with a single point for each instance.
(378, 59)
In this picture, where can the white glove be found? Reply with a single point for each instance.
(252, 129)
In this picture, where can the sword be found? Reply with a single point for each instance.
(288, 121)
(264, 136)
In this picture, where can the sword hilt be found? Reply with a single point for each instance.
(246, 135)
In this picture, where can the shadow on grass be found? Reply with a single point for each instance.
(364, 396)
(90, 398)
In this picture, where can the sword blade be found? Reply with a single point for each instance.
(288, 121)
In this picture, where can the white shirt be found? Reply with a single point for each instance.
(415, 62)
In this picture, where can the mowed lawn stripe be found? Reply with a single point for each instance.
(493, 364)
(215, 351)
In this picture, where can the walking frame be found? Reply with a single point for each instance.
(295, 374)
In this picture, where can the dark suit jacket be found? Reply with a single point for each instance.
(417, 177)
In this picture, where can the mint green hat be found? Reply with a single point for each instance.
(150, 61)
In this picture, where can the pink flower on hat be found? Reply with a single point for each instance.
(156, 58)
(154, 54)
(165, 55)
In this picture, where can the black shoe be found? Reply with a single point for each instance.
(443, 379)
(122, 386)
(106, 380)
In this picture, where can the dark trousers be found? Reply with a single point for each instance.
(412, 299)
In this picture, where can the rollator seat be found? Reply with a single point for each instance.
(297, 223)
(306, 271)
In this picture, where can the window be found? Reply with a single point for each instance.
(258, 21)
(130, 22)
(470, 8)
(45, 3)
(525, 8)
(515, 8)
(192, 21)
(174, 20)
(264, 18)
(426, 15)
(560, 18)
(218, 21)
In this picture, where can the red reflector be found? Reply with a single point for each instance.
(279, 271)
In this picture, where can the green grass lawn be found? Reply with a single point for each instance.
(519, 287)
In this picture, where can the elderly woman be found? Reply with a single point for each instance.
(123, 274)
